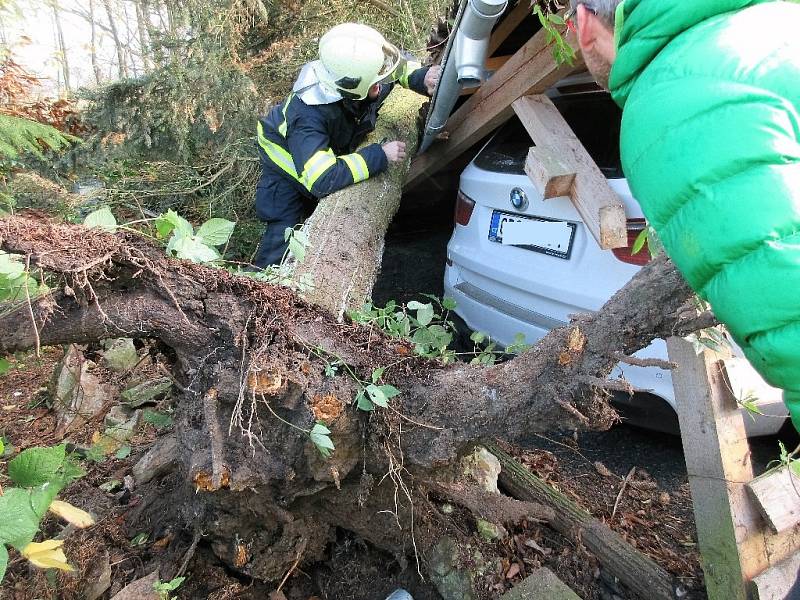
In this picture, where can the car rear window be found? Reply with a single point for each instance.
(594, 118)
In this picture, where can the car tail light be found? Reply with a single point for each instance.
(642, 257)
(464, 207)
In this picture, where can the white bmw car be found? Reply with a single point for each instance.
(519, 264)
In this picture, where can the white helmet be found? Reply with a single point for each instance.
(355, 57)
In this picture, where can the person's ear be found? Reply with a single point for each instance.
(587, 24)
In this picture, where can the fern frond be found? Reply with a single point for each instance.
(19, 136)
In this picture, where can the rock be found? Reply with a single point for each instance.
(99, 576)
(542, 584)
(491, 532)
(120, 427)
(159, 460)
(141, 589)
(146, 392)
(483, 467)
(78, 395)
(452, 582)
(120, 355)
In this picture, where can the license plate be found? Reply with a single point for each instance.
(547, 236)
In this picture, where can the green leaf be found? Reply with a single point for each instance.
(3, 561)
(191, 248)
(640, 241)
(425, 314)
(103, 219)
(123, 452)
(21, 511)
(11, 265)
(414, 305)
(111, 485)
(139, 539)
(36, 466)
(4, 368)
(377, 396)
(477, 337)
(389, 391)
(287, 233)
(158, 419)
(171, 220)
(297, 249)
(557, 19)
(377, 374)
(449, 304)
(363, 402)
(216, 232)
(320, 437)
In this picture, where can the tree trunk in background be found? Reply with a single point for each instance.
(98, 76)
(142, 27)
(122, 65)
(61, 46)
(347, 228)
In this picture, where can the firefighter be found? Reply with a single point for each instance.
(307, 144)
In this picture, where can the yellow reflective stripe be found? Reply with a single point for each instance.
(314, 168)
(357, 165)
(282, 128)
(276, 154)
(408, 69)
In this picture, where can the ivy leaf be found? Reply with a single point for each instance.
(102, 219)
(363, 402)
(4, 368)
(377, 396)
(320, 436)
(36, 466)
(216, 232)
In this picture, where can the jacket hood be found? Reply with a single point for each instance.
(645, 27)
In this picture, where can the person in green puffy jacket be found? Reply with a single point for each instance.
(710, 144)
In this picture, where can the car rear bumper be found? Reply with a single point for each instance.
(486, 312)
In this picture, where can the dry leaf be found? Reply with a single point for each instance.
(513, 571)
(71, 514)
(602, 469)
(47, 555)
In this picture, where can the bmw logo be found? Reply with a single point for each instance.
(519, 200)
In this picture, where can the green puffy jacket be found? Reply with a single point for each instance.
(710, 144)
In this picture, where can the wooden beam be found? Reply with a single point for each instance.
(781, 582)
(598, 205)
(638, 572)
(729, 530)
(549, 174)
(776, 494)
(531, 70)
(509, 23)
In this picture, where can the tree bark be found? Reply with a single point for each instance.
(63, 58)
(121, 63)
(347, 228)
(142, 26)
(98, 75)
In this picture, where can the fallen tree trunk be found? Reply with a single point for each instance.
(348, 227)
(251, 361)
(639, 573)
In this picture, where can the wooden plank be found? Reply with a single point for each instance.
(776, 494)
(638, 572)
(729, 528)
(598, 205)
(531, 70)
(548, 173)
(508, 24)
(780, 582)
